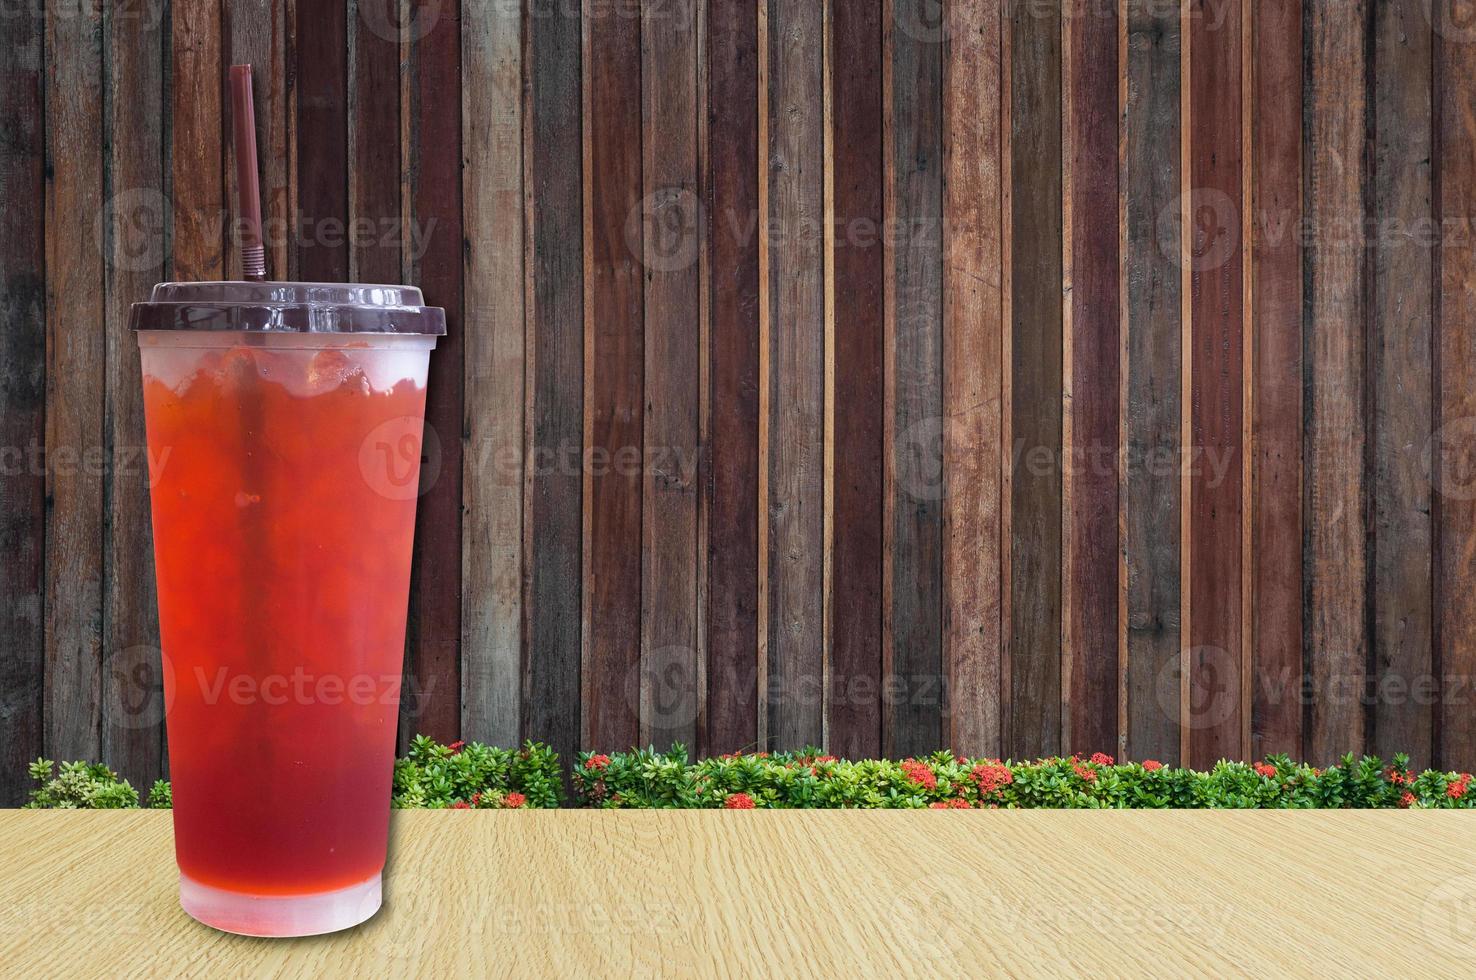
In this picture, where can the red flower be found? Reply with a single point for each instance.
(476, 798)
(461, 805)
(1101, 758)
(1089, 775)
(1457, 789)
(456, 746)
(598, 761)
(991, 776)
(1152, 765)
(1406, 800)
(825, 758)
(939, 805)
(738, 801)
(1265, 769)
(920, 773)
(515, 800)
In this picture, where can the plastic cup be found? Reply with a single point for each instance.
(284, 430)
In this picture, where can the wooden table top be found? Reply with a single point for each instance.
(584, 893)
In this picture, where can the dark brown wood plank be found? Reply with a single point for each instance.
(431, 699)
(492, 485)
(1034, 650)
(613, 373)
(321, 77)
(913, 654)
(1453, 450)
(75, 375)
(132, 721)
(375, 239)
(1336, 311)
(255, 34)
(22, 398)
(796, 298)
(552, 513)
(1400, 385)
(733, 238)
(1153, 410)
(1095, 380)
(672, 221)
(854, 724)
(1216, 301)
(1276, 519)
(198, 185)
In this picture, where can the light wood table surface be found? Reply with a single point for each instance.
(590, 894)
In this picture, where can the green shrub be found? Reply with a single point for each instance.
(810, 779)
(476, 776)
(79, 786)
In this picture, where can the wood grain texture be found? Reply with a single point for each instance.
(75, 364)
(1153, 410)
(198, 185)
(322, 127)
(734, 229)
(1034, 651)
(854, 723)
(554, 368)
(912, 652)
(1400, 385)
(672, 249)
(613, 375)
(796, 301)
(973, 334)
(1453, 448)
(1276, 271)
(1335, 402)
(1215, 265)
(431, 697)
(256, 34)
(22, 398)
(716, 879)
(376, 242)
(492, 468)
(134, 250)
(1096, 308)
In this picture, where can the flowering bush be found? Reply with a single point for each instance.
(460, 776)
(810, 779)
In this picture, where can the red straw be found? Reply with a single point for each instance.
(248, 184)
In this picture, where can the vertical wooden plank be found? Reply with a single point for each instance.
(554, 274)
(973, 331)
(431, 700)
(1276, 520)
(1400, 385)
(255, 34)
(670, 212)
(492, 469)
(1216, 378)
(1153, 413)
(1453, 450)
(197, 78)
(796, 374)
(1034, 648)
(133, 226)
(75, 366)
(913, 655)
(23, 284)
(854, 724)
(1336, 311)
(321, 46)
(1091, 623)
(734, 229)
(614, 228)
(375, 238)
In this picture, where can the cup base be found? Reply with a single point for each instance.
(313, 914)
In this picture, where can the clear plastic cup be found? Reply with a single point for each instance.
(284, 430)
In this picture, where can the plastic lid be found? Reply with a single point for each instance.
(288, 307)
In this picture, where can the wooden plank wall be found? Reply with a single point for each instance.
(1012, 376)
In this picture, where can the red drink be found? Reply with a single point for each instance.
(285, 468)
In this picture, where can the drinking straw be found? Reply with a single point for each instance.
(248, 184)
